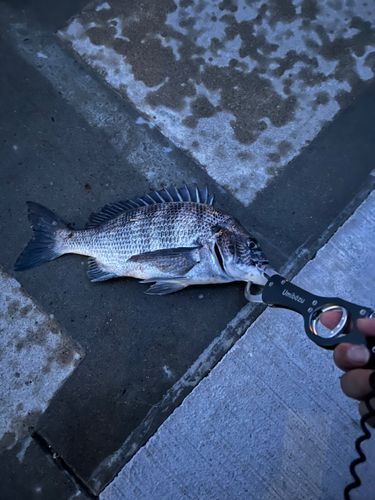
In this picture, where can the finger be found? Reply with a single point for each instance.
(356, 384)
(363, 410)
(331, 319)
(349, 356)
(366, 326)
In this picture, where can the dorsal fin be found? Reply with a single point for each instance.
(165, 195)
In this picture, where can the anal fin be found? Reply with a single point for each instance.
(98, 273)
(164, 287)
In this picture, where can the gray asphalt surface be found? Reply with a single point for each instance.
(57, 150)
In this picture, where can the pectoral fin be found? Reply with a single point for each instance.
(174, 261)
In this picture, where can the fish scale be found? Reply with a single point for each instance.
(150, 228)
(172, 237)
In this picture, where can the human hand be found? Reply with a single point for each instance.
(356, 382)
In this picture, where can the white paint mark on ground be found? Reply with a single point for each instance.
(270, 420)
(77, 494)
(41, 55)
(243, 86)
(142, 121)
(167, 371)
(36, 358)
(104, 5)
(25, 443)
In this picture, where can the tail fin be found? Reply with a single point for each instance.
(41, 248)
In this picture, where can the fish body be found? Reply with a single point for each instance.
(173, 237)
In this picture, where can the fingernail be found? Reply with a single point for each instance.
(358, 354)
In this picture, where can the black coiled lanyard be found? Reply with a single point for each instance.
(366, 435)
(279, 292)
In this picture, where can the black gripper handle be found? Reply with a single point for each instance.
(279, 292)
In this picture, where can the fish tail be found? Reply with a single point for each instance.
(42, 247)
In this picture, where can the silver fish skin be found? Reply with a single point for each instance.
(173, 237)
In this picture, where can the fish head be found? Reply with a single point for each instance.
(239, 254)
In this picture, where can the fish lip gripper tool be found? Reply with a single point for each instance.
(279, 292)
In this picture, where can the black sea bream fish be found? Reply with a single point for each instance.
(173, 237)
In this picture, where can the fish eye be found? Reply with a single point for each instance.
(251, 244)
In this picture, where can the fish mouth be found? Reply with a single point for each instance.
(265, 268)
(264, 272)
(253, 292)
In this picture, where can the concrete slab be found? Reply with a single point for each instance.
(270, 420)
(29, 473)
(242, 86)
(36, 359)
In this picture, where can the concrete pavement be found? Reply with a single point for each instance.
(71, 142)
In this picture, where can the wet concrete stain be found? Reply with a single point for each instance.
(186, 3)
(343, 50)
(284, 147)
(24, 311)
(255, 45)
(46, 369)
(53, 327)
(249, 109)
(250, 97)
(22, 426)
(274, 157)
(154, 64)
(245, 156)
(250, 68)
(13, 307)
(61, 350)
(37, 332)
(343, 98)
(281, 11)
(190, 122)
(321, 98)
(201, 107)
(228, 5)
(291, 58)
(336, 5)
(309, 9)
(7, 441)
(65, 355)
